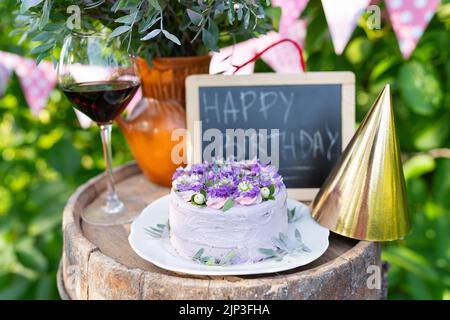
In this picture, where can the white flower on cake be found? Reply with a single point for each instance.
(199, 199)
(265, 192)
(245, 186)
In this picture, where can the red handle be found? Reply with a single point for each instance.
(297, 46)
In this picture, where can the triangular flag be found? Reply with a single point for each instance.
(409, 19)
(227, 58)
(37, 81)
(284, 58)
(290, 13)
(342, 17)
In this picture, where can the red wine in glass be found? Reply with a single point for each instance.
(100, 78)
(102, 101)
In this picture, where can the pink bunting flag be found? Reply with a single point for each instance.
(227, 58)
(342, 17)
(409, 20)
(290, 13)
(37, 81)
(284, 58)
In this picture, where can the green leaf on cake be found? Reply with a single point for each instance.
(271, 189)
(298, 236)
(158, 230)
(270, 253)
(292, 217)
(228, 204)
(284, 246)
(198, 254)
(227, 258)
(211, 261)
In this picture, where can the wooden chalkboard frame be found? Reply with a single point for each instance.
(345, 79)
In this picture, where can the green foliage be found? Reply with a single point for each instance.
(44, 158)
(149, 27)
(420, 264)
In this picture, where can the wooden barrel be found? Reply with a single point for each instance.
(98, 262)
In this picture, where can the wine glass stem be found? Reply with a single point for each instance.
(112, 202)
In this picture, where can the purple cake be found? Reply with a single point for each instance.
(226, 211)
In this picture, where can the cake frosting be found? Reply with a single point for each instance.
(227, 209)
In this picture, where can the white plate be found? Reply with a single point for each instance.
(159, 251)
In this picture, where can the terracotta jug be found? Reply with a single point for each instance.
(148, 129)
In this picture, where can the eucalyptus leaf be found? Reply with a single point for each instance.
(171, 37)
(209, 40)
(151, 34)
(298, 236)
(42, 56)
(54, 62)
(95, 4)
(154, 4)
(156, 229)
(53, 27)
(44, 36)
(128, 19)
(27, 4)
(247, 19)
(231, 14)
(306, 249)
(268, 252)
(42, 48)
(45, 14)
(227, 258)
(291, 215)
(117, 5)
(119, 30)
(199, 254)
(147, 24)
(195, 17)
(279, 243)
(239, 13)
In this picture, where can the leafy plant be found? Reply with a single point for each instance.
(291, 215)
(157, 231)
(211, 261)
(284, 245)
(149, 27)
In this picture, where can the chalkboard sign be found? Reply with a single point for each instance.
(299, 123)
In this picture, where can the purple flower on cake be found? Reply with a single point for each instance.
(248, 193)
(186, 182)
(222, 183)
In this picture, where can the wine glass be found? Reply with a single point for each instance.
(100, 79)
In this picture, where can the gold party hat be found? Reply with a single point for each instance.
(364, 197)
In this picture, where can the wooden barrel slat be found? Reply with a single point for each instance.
(98, 262)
